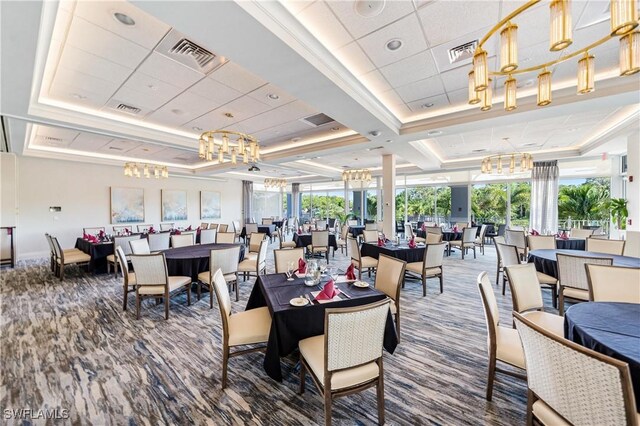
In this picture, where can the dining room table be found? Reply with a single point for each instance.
(291, 324)
(400, 251)
(571, 243)
(189, 261)
(610, 328)
(270, 230)
(98, 252)
(546, 262)
(304, 240)
(356, 230)
(447, 234)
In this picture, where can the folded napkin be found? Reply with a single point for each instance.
(534, 232)
(350, 274)
(101, 234)
(151, 230)
(564, 235)
(412, 243)
(188, 229)
(85, 236)
(302, 266)
(455, 229)
(328, 292)
(380, 242)
(177, 232)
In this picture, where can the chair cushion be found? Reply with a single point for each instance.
(458, 243)
(248, 327)
(175, 282)
(73, 250)
(111, 258)
(288, 244)
(132, 278)
(420, 240)
(204, 277)
(312, 349)
(550, 322)
(508, 346)
(317, 249)
(367, 262)
(75, 258)
(250, 256)
(546, 415)
(546, 279)
(416, 267)
(576, 293)
(248, 265)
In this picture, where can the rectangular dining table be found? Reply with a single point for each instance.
(291, 324)
(402, 251)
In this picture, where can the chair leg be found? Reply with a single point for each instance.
(398, 324)
(492, 375)
(504, 283)
(302, 376)
(327, 406)
(554, 296)
(561, 302)
(441, 282)
(124, 303)
(210, 296)
(61, 271)
(474, 252)
(199, 291)
(529, 407)
(380, 395)
(225, 363)
(166, 305)
(137, 305)
(188, 294)
(498, 275)
(237, 289)
(424, 285)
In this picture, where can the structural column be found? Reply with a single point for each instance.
(389, 194)
(633, 184)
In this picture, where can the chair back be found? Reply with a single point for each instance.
(501, 229)
(525, 287)
(408, 231)
(251, 228)
(213, 226)
(225, 237)
(370, 236)
(204, 225)
(572, 272)
(632, 244)
(159, 241)
(255, 239)
(541, 242)
(151, 269)
(321, 225)
(224, 302)
(124, 243)
(499, 239)
(352, 222)
(489, 305)
(262, 255)
(483, 231)
(582, 386)
(344, 232)
(389, 276)
(433, 255)
(236, 226)
(223, 227)
(597, 245)
(267, 221)
(433, 230)
(118, 229)
(508, 254)
(515, 238)
(208, 236)
(167, 226)
(144, 228)
(469, 235)
(613, 284)
(354, 248)
(433, 238)
(123, 262)
(139, 246)
(461, 225)
(48, 237)
(225, 259)
(581, 233)
(93, 231)
(183, 240)
(57, 250)
(354, 336)
(319, 239)
(370, 227)
(282, 258)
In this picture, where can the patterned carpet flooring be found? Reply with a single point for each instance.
(68, 345)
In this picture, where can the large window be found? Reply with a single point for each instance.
(584, 202)
(424, 204)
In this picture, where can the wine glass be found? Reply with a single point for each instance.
(323, 266)
(290, 268)
(334, 274)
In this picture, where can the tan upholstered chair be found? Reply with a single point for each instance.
(225, 237)
(348, 357)
(65, 257)
(283, 243)
(255, 239)
(183, 240)
(461, 225)
(257, 264)
(319, 244)
(267, 221)
(541, 242)
(409, 234)
(572, 277)
(570, 384)
(54, 258)
(479, 241)
(237, 229)
(242, 328)
(360, 262)
(632, 244)
(503, 343)
(370, 236)
(498, 239)
(123, 242)
(517, 238)
(167, 226)
(613, 284)
(159, 241)
(119, 229)
(204, 225)
(597, 245)
(208, 236)
(467, 242)
(389, 280)
(250, 228)
(93, 231)
(433, 230)
(139, 246)
(370, 227)
(153, 281)
(225, 260)
(431, 265)
(128, 278)
(581, 233)
(223, 227)
(527, 298)
(144, 227)
(213, 226)
(342, 241)
(435, 239)
(282, 258)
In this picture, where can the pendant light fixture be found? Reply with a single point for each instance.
(510, 94)
(586, 70)
(630, 53)
(544, 88)
(624, 16)
(509, 48)
(480, 70)
(473, 95)
(486, 97)
(560, 26)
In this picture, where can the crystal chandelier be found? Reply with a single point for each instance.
(221, 144)
(146, 170)
(496, 164)
(624, 20)
(357, 175)
(275, 183)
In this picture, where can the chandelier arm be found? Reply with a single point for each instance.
(504, 20)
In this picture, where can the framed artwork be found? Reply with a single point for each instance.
(210, 205)
(127, 205)
(174, 204)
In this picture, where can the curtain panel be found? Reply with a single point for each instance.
(295, 200)
(247, 199)
(544, 197)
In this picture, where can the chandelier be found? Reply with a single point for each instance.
(275, 183)
(357, 175)
(508, 162)
(146, 170)
(624, 20)
(219, 143)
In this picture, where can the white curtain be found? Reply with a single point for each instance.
(247, 198)
(295, 200)
(544, 197)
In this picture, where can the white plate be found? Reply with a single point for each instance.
(361, 284)
(299, 301)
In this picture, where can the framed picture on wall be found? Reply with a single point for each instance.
(210, 205)
(127, 205)
(174, 204)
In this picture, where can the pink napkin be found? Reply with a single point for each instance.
(302, 266)
(351, 275)
(455, 229)
(188, 229)
(534, 232)
(177, 232)
(85, 236)
(424, 227)
(328, 292)
(151, 230)
(412, 243)
(101, 234)
(380, 242)
(564, 235)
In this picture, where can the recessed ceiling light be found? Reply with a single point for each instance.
(78, 96)
(434, 132)
(177, 111)
(531, 144)
(335, 129)
(479, 150)
(197, 129)
(368, 8)
(388, 141)
(295, 139)
(152, 87)
(124, 19)
(273, 96)
(427, 105)
(394, 44)
(375, 133)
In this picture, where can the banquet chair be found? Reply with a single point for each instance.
(369, 236)
(498, 239)
(204, 225)
(479, 241)
(541, 242)
(597, 245)
(359, 262)
(183, 240)
(159, 241)
(581, 233)
(431, 265)
(223, 227)
(527, 298)
(389, 280)
(503, 343)
(321, 225)
(370, 227)
(120, 241)
(461, 225)
(433, 230)
(208, 236)
(613, 284)
(282, 257)
(282, 241)
(237, 230)
(250, 228)
(255, 239)
(347, 358)
(409, 234)
(632, 244)
(256, 264)
(572, 276)
(267, 221)
(248, 327)
(467, 242)
(225, 260)
(68, 257)
(153, 281)
(342, 241)
(128, 278)
(54, 258)
(319, 244)
(352, 222)
(120, 229)
(144, 228)
(517, 238)
(570, 384)
(167, 226)
(434, 239)
(212, 226)
(93, 231)
(225, 238)
(140, 246)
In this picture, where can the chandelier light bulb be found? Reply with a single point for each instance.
(480, 70)
(630, 53)
(486, 96)
(509, 48)
(560, 25)
(473, 95)
(544, 88)
(510, 102)
(586, 70)
(624, 16)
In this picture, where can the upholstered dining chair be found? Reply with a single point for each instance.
(347, 358)
(342, 241)
(360, 262)
(569, 384)
(503, 342)
(632, 244)
(480, 239)
(159, 241)
(208, 236)
(267, 221)
(572, 277)
(256, 265)
(167, 226)
(225, 260)
(283, 257)
(93, 231)
(66, 257)
(516, 237)
(613, 283)
(128, 278)
(54, 258)
(223, 227)
(250, 228)
(319, 244)
(225, 237)
(321, 225)
(389, 280)
(144, 227)
(370, 236)
(461, 225)
(213, 226)
(541, 242)
(204, 225)
(120, 229)
(240, 329)
(434, 239)
(527, 298)
(498, 239)
(467, 242)
(255, 239)
(284, 244)
(153, 281)
(183, 240)
(120, 241)
(581, 233)
(431, 265)
(433, 230)
(597, 245)
(409, 234)
(237, 230)
(370, 226)
(139, 246)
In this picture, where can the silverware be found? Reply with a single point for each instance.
(346, 295)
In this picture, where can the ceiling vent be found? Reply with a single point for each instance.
(317, 120)
(53, 141)
(115, 148)
(462, 52)
(175, 46)
(375, 148)
(128, 109)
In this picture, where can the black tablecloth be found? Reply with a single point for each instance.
(291, 324)
(545, 260)
(446, 235)
(98, 253)
(189, 261)
(613, 329)
(356, 230)
(402, 252)
(304, 240)
(571, 244)
(264, 229)
(278, 223)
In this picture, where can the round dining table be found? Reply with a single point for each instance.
(610, 328)
(571, 244)
(189, 261)
(545, 260)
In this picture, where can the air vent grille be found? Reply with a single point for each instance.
(50, 139)
(317, 120)
(115, 148)
(177, 47)
(128, 109)
(462, 52)
(200, 55)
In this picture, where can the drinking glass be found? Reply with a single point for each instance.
(290, 268)
(323, 266)
(334, 274)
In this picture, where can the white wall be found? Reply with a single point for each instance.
(83, 192)
(633, 188)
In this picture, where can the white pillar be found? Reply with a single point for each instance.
(633, 185)
(379, 197)
(389, 194)
(347, 210)
(508, 212)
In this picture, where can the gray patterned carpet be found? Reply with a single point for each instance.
(70, 346)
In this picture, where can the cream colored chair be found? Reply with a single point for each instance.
(152, 281)
(370, 227)
(498, 239)
(409, 234)
(348, 357)
(182, 240)
(359, 262)
(67, 257)
(467, 242)
(319, 244)
(282, 241)
(632, 244)
(250, 228)
(52, 254)
(213, 226)
(435, 239)
(479, 241)
(431, 265)
(225, 237)
(527, 298)
(267, 221)
(597, 245)
(121, 229)
(93, 231)
(433, 230)
(613, 284)
(321, 225)
(159, 241)
(282, 258)
(204, 225)
(461, 225)
(139, 246)
(144, 228)
(128, 278)
(167, 226)
(389, 280)
(120, 242)
(342, 241)
(581, 233)
(572, 276)
(255, 265)
(517, 238)
(223, 227)
(255, 239)
(208, 236)
(237, 230)
(503, 343)
(509, 256)
(541, 242)
(225, 260)
(569, 384)
(370, 236)
(242, 328)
